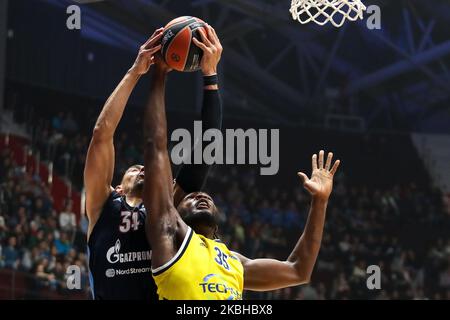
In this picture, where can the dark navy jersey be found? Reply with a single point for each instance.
(119, 253)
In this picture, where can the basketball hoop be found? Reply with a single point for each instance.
(324, 11)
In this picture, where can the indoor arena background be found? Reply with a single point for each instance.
(379, 99)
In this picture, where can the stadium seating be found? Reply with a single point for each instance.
(379, 213)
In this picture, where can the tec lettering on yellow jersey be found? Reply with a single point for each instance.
(202, 269)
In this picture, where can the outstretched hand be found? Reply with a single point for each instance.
(146, 56)
(212, 50)
(321, 183)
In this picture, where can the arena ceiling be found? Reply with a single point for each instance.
(280, 70)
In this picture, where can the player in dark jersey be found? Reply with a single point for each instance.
(118, 250)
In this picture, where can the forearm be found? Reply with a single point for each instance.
(158, 189)
(99, 167)
(192, 177)
(114, 107)
(305, 253)
(156, 184)
(155, 122)
(298, 268)
(212, 109)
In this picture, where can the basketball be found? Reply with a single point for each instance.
(178, 50)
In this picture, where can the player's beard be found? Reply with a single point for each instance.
(138, 187)
(200, 218)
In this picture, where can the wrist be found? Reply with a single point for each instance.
(211, 88)
(160, 74)
(211, 81)
(162, 67)
(133, 72)
(320, 200)
(209, 72)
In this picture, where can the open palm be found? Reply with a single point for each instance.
(321, 183)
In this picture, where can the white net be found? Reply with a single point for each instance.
(324, 11)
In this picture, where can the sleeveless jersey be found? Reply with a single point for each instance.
(119, 253)
(202, 269)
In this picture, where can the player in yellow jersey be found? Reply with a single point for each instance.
(187, 262)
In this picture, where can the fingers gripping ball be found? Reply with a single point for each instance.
(178, 50)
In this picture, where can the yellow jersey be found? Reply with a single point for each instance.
(202, 269)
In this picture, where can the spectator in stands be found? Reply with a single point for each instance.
(69, 126)
(363, 225)
(292, 219)
(42, 274)
(2, 227)
(60, 275)
(444, 278)
(2, 236)
(84, 224)
(67, 219)
(11, 254)
(239, 232)
(40, 209)
(57, 121)
(26, 263)
(62, 244)
(308, 292)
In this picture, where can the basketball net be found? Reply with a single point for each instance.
(324, 11)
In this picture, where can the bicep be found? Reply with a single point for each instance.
(269, 274)
(98, 174)
(158, 190)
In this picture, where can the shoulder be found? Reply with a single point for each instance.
(113, 199)
(95, 211)
(181, 253)
(114, 195)
(94, 203)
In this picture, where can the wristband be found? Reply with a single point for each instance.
(211, 80)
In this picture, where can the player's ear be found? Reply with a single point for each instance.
(119, 189)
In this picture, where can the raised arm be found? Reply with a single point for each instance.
(99, 167)
(164, 228)
(192, 177)
(270, 274)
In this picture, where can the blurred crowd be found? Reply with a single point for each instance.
(401, 228)
(34, 237)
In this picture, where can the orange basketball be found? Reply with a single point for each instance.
(178, 50)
